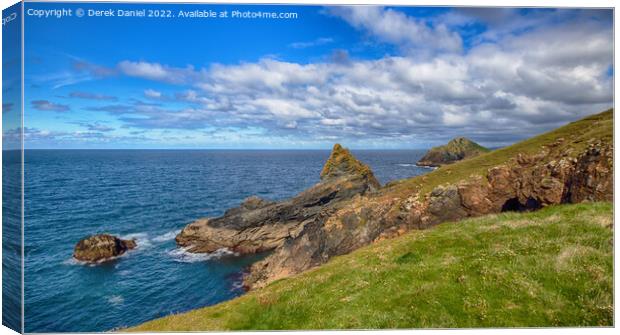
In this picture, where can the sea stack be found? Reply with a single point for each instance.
(457, 149)
(101, 247)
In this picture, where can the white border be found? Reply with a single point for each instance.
(475, 3)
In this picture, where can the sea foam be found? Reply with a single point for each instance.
(167, 236)
(183, 256)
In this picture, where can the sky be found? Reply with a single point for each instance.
(368, 77)
(11, 78)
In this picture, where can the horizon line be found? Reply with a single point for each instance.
(217, 149)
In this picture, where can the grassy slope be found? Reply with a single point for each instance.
(546, 268)
(576, 135)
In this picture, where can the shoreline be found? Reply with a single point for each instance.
(450, 194)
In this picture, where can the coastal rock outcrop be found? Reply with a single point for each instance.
(561, 171)
(259, 225)
(457, 149)
(101, 247)
(348, 209)
(534, 183)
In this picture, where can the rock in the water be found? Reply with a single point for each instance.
(457, 149)
(101, 247)
(259, 225)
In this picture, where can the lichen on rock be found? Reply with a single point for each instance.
(342, 163)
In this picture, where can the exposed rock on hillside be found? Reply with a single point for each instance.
(102, 247)
(561, 171)
(258, 225)
(457, 149)
(348, 209)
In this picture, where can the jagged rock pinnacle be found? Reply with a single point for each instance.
(342, 163)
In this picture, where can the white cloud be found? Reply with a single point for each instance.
(454, 119)
(495, 92)
(156, 71)
(152, 94)
(395, 27)
(143, 69)
(45, 105)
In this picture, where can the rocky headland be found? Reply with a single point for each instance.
(101, 247)
(348, 208)
(259, 225)
(457, 149)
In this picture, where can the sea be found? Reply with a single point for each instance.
(150, 195)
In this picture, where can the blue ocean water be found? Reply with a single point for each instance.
(11, 239)
(149, 195)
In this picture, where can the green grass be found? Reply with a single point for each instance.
(553, 267)
(575, 135)
(461, 144)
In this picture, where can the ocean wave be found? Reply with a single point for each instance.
(137, 236)
(181, 255)
(124, 273)
(428, 167)
(416, 165)
(237, 286)
(116, 300)
(167, 236)
(142, 240)
(73, 261)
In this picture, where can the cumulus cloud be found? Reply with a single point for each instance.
(94, 70)
(159, 72)
(45, 105)
(152, 94)
(505, 22)
(495, 92)
(46, 138)
(395, 27)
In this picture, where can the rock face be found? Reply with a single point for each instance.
(348, 209)
(259, 225)
(523, 183)
(102, 247)
(342, 163)
(457, 149)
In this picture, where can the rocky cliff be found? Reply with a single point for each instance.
(569, 165)
(347, 209)
(457, 149)
(259, 225)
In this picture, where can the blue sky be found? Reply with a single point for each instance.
(368, 77)
(11, 84)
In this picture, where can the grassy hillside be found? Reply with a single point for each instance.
(547, 268)
(575, 136)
